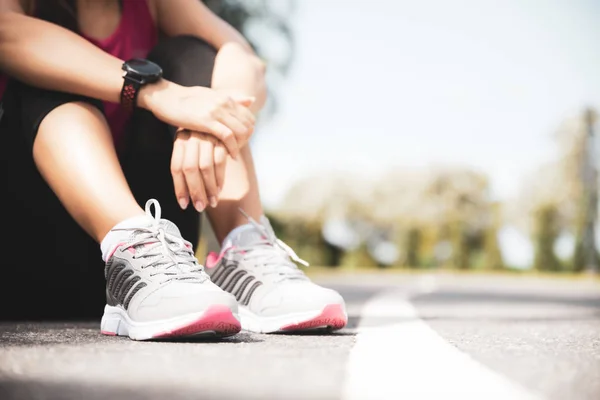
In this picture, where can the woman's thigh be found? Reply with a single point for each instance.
(47, 257)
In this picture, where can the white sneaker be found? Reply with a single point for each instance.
(274, 295)
(156, 289)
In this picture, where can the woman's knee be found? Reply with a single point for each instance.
(72, 118)
(186, 60)
(64, 128)
(29, 107)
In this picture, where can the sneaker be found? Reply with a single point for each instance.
(273, 294)
(156, 289)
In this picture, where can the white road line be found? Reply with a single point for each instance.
(398, 356)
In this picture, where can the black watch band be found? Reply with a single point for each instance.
(129, 92)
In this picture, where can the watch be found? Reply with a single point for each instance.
(138, 72)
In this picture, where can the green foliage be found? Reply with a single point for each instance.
(578, 260)
(357, 259)
(546, 232)
(333, 255)
(461, 250)
(492, 254)
(412, 247)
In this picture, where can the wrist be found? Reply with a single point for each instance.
(150, 94)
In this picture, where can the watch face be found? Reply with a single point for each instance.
(143, 68)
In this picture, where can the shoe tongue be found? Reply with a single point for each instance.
(249, 236)
(169, 227)
(165, 224)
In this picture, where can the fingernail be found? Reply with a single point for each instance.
(220, 190)
(183, 202)
(213, 201)
(199, 206)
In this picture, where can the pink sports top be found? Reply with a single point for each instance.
(134, 37)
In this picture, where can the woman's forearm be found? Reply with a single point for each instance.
(238, 71)
(51, 57)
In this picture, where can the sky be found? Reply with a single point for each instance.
(384, 84)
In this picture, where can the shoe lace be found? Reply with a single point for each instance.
(271, 254)
(167, 253)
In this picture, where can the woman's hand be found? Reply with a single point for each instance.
(222, 114)
(198, 169)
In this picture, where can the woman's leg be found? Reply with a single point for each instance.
(74, 152)
(240, 190)
(48, 256)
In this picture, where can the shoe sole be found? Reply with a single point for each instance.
(216, 321)
(332, 317)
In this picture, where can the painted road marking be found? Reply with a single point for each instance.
(405, 359)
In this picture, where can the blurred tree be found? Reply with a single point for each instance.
(566, 185)
(426, 200)
(586, 255)
(412, 247)
(358, 258)
(546, 233)
(266, 25)
(459, 240)
(492, 254)
(333, 255)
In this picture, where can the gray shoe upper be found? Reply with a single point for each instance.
(260, 273)
(155, 274)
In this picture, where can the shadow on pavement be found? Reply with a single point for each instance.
(241, 337)
(321, 332)
(22, 334)
(18, 389)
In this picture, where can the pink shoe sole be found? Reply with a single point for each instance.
(218, 320)
(332, 317)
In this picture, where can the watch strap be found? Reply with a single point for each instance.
(129, 93)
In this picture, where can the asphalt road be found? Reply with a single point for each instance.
(409, 337)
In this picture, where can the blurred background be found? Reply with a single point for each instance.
(430, 134)
(436, 163)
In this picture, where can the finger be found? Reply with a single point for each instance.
(192, 175)
(233, 123)
(181, 191)
(220, 164)
(244, 100)
(206, 164)
(225, 135)
(245, 115)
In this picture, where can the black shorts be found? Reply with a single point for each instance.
(48, 258)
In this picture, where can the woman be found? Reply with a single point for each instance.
(114, 103)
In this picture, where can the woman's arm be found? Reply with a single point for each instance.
(46, 55)
(237, 68)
